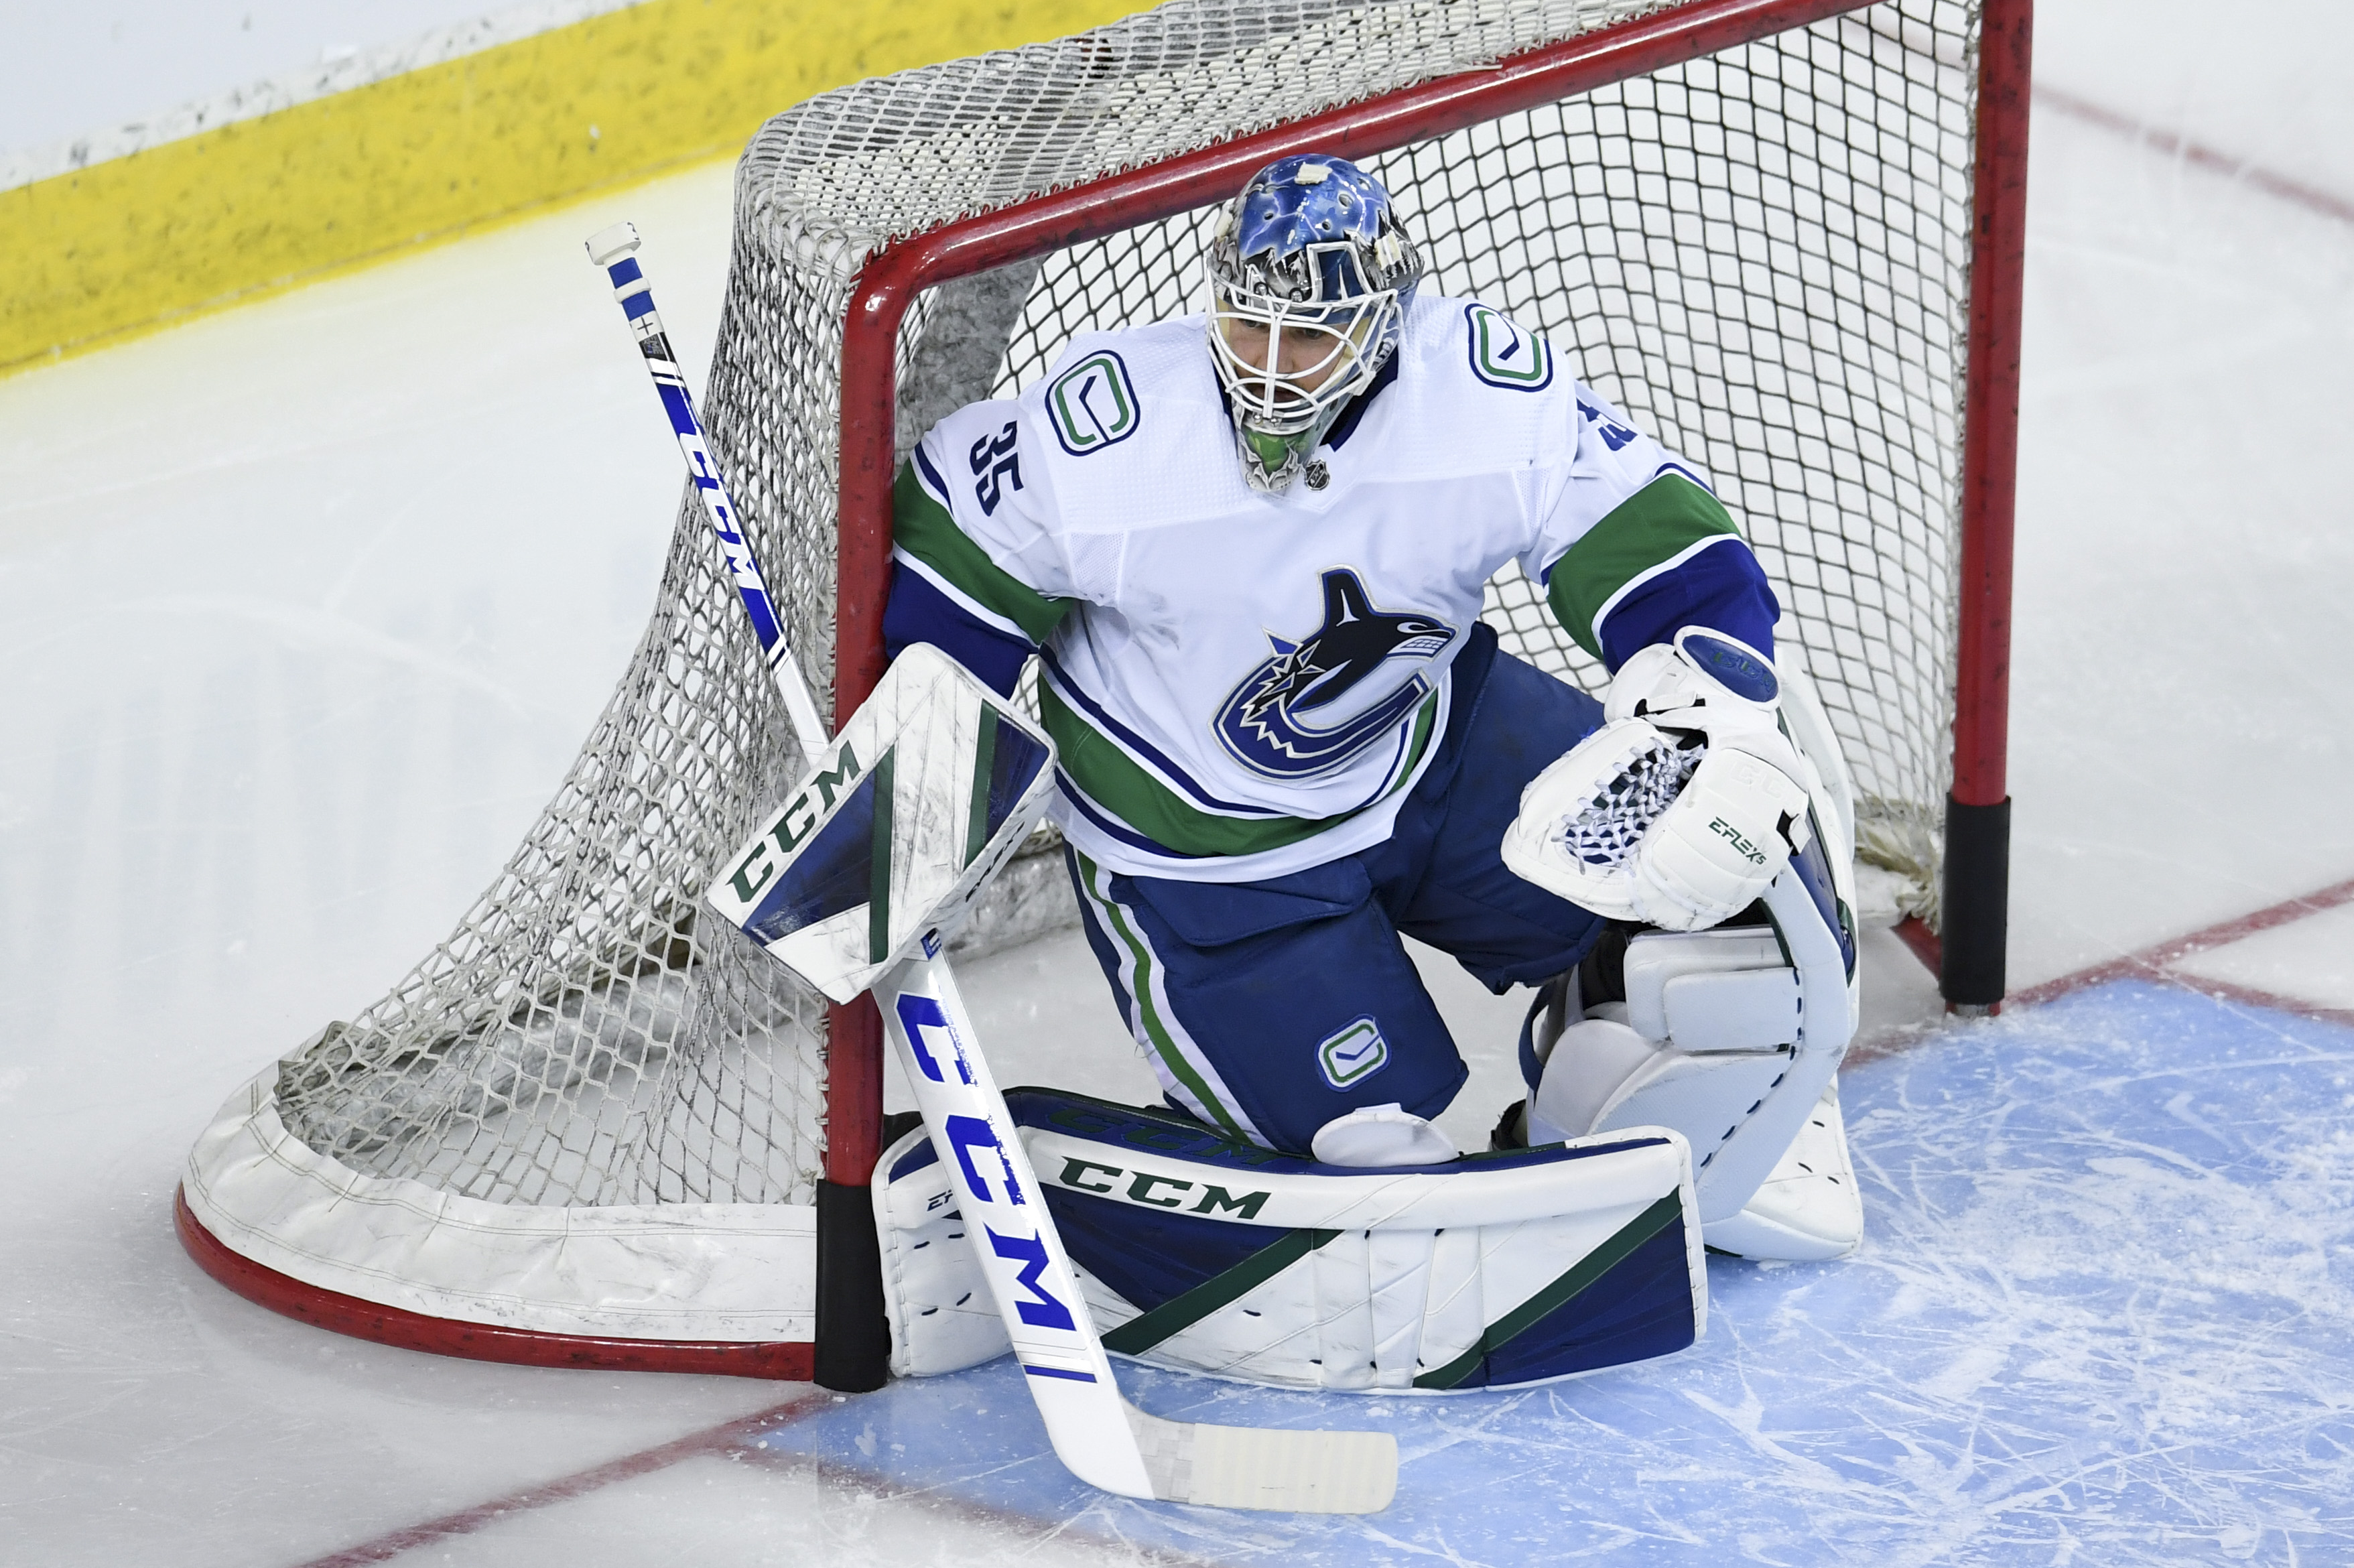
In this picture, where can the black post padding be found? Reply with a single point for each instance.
(1975, 906)
(853, 1337)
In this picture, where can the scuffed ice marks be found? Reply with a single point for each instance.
(2104, 1314)
(2103, 1309)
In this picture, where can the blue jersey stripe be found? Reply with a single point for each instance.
(1680, 469)
(1720, 587)
(933, 482)
(918, 611)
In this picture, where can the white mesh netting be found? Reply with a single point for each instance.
(1762, 255)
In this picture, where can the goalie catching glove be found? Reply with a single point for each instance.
(1687, 802)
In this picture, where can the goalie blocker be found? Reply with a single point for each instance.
(855, 883)
(927, 792)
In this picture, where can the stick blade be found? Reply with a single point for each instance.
(1296, 1472)
(1267, 1467)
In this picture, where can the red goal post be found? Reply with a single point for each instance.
(1975, 890)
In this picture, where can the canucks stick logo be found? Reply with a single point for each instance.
(1264, 724)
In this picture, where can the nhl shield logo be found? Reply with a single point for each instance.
(1093, 404)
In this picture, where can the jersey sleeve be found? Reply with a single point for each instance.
(1638, 547)
(976, 569)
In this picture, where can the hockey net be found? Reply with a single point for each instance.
(590, 1119)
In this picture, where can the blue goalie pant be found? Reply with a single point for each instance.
(1270, 1008)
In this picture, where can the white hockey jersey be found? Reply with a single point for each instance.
(1243, 684)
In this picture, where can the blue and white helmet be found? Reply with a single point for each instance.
(1310, 274)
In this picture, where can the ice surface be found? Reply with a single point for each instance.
(2310, 960)
(305, 608)
(303, 611)
(2182, 731)
(2103, 1314)
(2267, 83)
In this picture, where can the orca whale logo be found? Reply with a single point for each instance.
(1263, 725)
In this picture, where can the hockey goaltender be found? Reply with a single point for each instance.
(1248, 550)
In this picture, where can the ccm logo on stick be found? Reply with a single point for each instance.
(1158, 1192)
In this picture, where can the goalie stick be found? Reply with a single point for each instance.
(1099, 1436)
(612, 249)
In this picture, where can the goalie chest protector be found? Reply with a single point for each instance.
(1226, 665)
(1198, 1253)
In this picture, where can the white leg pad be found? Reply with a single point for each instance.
(1417, 1280)
(1726, 1043)
(1589, 1063)
(1809, 1210)
(1722, 1103)
(942, 1316)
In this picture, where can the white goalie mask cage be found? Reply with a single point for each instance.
(594, 1127)
(1298, 328)
(1285, 398)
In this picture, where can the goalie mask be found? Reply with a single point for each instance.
(1310, 273)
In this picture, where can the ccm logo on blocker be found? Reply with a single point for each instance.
(812, 803)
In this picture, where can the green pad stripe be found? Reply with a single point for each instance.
(878, 895)
(922, 526)
(1559, 1294)
(984, 764)
(1119, 783)
(1176, 1315)
(1650, 527)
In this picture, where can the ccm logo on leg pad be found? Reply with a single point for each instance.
(1159, 1191)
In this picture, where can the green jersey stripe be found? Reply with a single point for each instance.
(922, 526)
(1649, 528)
(1140, 955)
(1120, 784)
